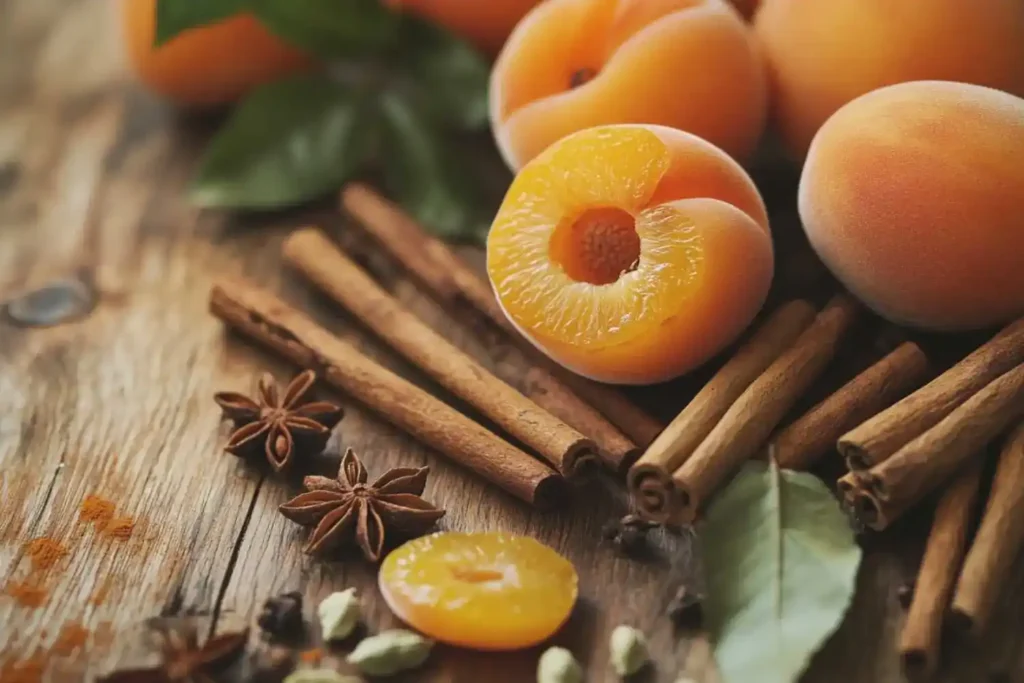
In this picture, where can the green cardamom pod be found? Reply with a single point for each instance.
(319, 676)
(628, 650)
(339, 613)
(557, 665)
(389, 652)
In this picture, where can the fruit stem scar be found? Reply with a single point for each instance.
(581, 76)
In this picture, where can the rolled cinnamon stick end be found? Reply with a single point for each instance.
(998, 542)
(815, 433)
(943, 555)
(455, 284)
(746, 425)
(650, 479)
(313, 254)
(266, 319)
(887, 432)
(925, 463)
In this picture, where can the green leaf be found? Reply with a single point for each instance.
(418, 172)
(330, 28)
(781, 563)
(176, 16)
(450, 76)
(288, 142)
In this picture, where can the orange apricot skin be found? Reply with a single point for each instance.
(913, 196)
(712, 191)
(207, 66)
(821, 55)
(687, 64)
(485, 23)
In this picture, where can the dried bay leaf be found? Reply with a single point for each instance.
(781, 563)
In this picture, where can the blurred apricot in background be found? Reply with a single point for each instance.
(212, 65)
(485, 23)
(822, 54)
(573, 64)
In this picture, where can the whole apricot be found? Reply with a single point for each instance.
(574, 64)
(822, 54)
(485, 23)
(210, 65)
(631, 253)
(914, 196)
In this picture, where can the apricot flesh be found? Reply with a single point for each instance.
(823, 54)
(484, 591)
(574, 64)
(913, 195)
(631, 254)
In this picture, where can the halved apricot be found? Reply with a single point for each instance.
(631, 254)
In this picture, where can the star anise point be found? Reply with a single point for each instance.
(347, 510)
(277, 423)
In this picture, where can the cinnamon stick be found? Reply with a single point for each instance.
(745, 427)
(454, 283)
(943, 555)
(311, 252)
(280, 327)
(650, 479)
(998, 542)
(925, 463)
(814, 434)
(881, 436)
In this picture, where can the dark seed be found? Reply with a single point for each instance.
(281, 617)
(56, 303)
(905, 594)
(685, 609)
(628, 535)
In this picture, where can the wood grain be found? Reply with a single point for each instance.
(118, 405)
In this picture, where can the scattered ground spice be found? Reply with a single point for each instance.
(103, 635)
(45, 552)
(71, 637)
(97, 510)
(120, 528)
(311, 656)
(102, 592)
(27, 595)
(25, 671)
(100, 512)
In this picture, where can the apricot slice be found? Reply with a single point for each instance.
(913, 195)
(631, 254)
(573, 64)
(485, 591)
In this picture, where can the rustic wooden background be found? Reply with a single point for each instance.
(118, 406)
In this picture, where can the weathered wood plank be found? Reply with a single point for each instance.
(117, 406)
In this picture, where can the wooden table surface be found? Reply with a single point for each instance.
(118, 406)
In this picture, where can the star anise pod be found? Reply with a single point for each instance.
(347, 509)
(278, 424)
(184, 661)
